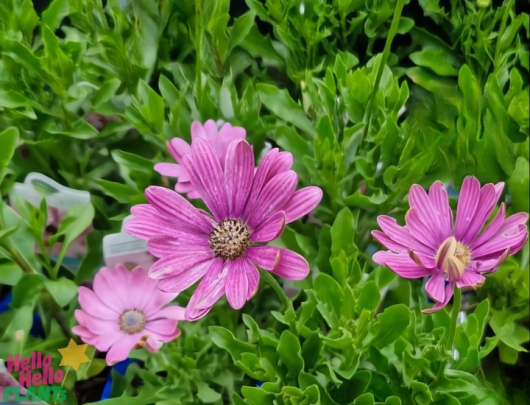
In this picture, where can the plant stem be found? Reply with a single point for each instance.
(286, 302)
(457, 301)
(386, 51)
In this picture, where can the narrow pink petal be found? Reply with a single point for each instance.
(96, 325)
(302, 203)
(161, 326)
(169, 169)
(449, 289)
(185, 279)
(209, 291)
(207, 170)
(170, 312)
(427, 214)
(178, 148)
(239, 175)
(470, 279)
(491, 229)
(162, 245)
(120, 351)
(236, 288)
(498, 190)
(291, 266)
(178, 262)
(92, 305)
(198, 131)
(147, 221)
(176, 207)
(266, 257)
(426, 260)
(253, 279)
(420, 231)
(283, 163)
(500, 242)
(389, 243)
(401, 235)
(401, 264)
(487, 201)
(271, 229)
(147, 297)
(435, 286)
(104, 285)
(273, 197)
(512, 223)
(152, 344)
(440, 202)
(467, 205)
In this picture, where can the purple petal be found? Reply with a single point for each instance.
(401, 264)
(501, 242)
(435, 287)
(449, 289)
(302, 203)
(470, 279)
(236, 288)
(209, 291)
(420, 202)
(498, 190)
(401, 235)
(420, 231)
(178, 148)
(291, 266)
(176, 207)
(253, 279)
(440, 202)
(207, 170)
(162, 245)
(467, 205)
(273, 197)
(239, 174)
(185, 279)
(169, 169)
(491, 229)
(387, 242)
(177, 263)
(266, 257)
(488, 200)
(271, 229)
(284, 162)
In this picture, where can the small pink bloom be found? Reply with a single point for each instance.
(249, 208)
(218, 140)
(126, 310)
(431, 246)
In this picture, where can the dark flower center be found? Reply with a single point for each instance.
(229, 239)
(132, 321)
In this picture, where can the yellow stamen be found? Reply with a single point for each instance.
(452, 258)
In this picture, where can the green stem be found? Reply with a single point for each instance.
(457, 302)
(198, 59)
(286, 302)
(386, 52)
(501, 32)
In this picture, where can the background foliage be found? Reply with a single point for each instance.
(370, 97)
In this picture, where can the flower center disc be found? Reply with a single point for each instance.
(453, 257)
(132, 321)
(229, 239)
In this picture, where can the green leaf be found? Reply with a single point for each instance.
(225, 339)
(519, 185)
(330, 298)
(62, 290)
(343, 232)
(10, 273)
(390, 325)
(436, 60)
(368, 298)
(281, 104)
(168, 90)
(105, 92)
(56, 11)
(9, 141)
(27, 290)
(365, 399)
(241, 28)
(205, 394)
(290, 353)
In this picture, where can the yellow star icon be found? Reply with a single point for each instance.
(74, 355)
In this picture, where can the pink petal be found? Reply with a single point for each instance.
(183, 280)
(273, 197)
(266, 257)
(284, 162)
(500, 242)
(148, 298)
(178, 148)
(435, 287)
(104, 285)
(270, 229)
(420, 202)
(498, 190)
(162, 246)
(178, 262)
(176, 207)
(239, 174)
(470, 279)
(236, 288)
(147, 222)
(401, 264)
(161, 327)
(208, 178)
(401, 235)
(420, 231)
(253, 279)
(96, 325)
(390, 244)
(302, 203)
(440, 202)
(169, 169)
(120, 351)
(291, 266)
(512, 223)
(92, 305)
(173, 312)
(488, 200)
(209, 291)
(467, 205)
(449, 289)
(491, 229)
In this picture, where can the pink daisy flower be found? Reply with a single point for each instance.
(125, 310)
(249, 207)
(178, 148)
(431, 246)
